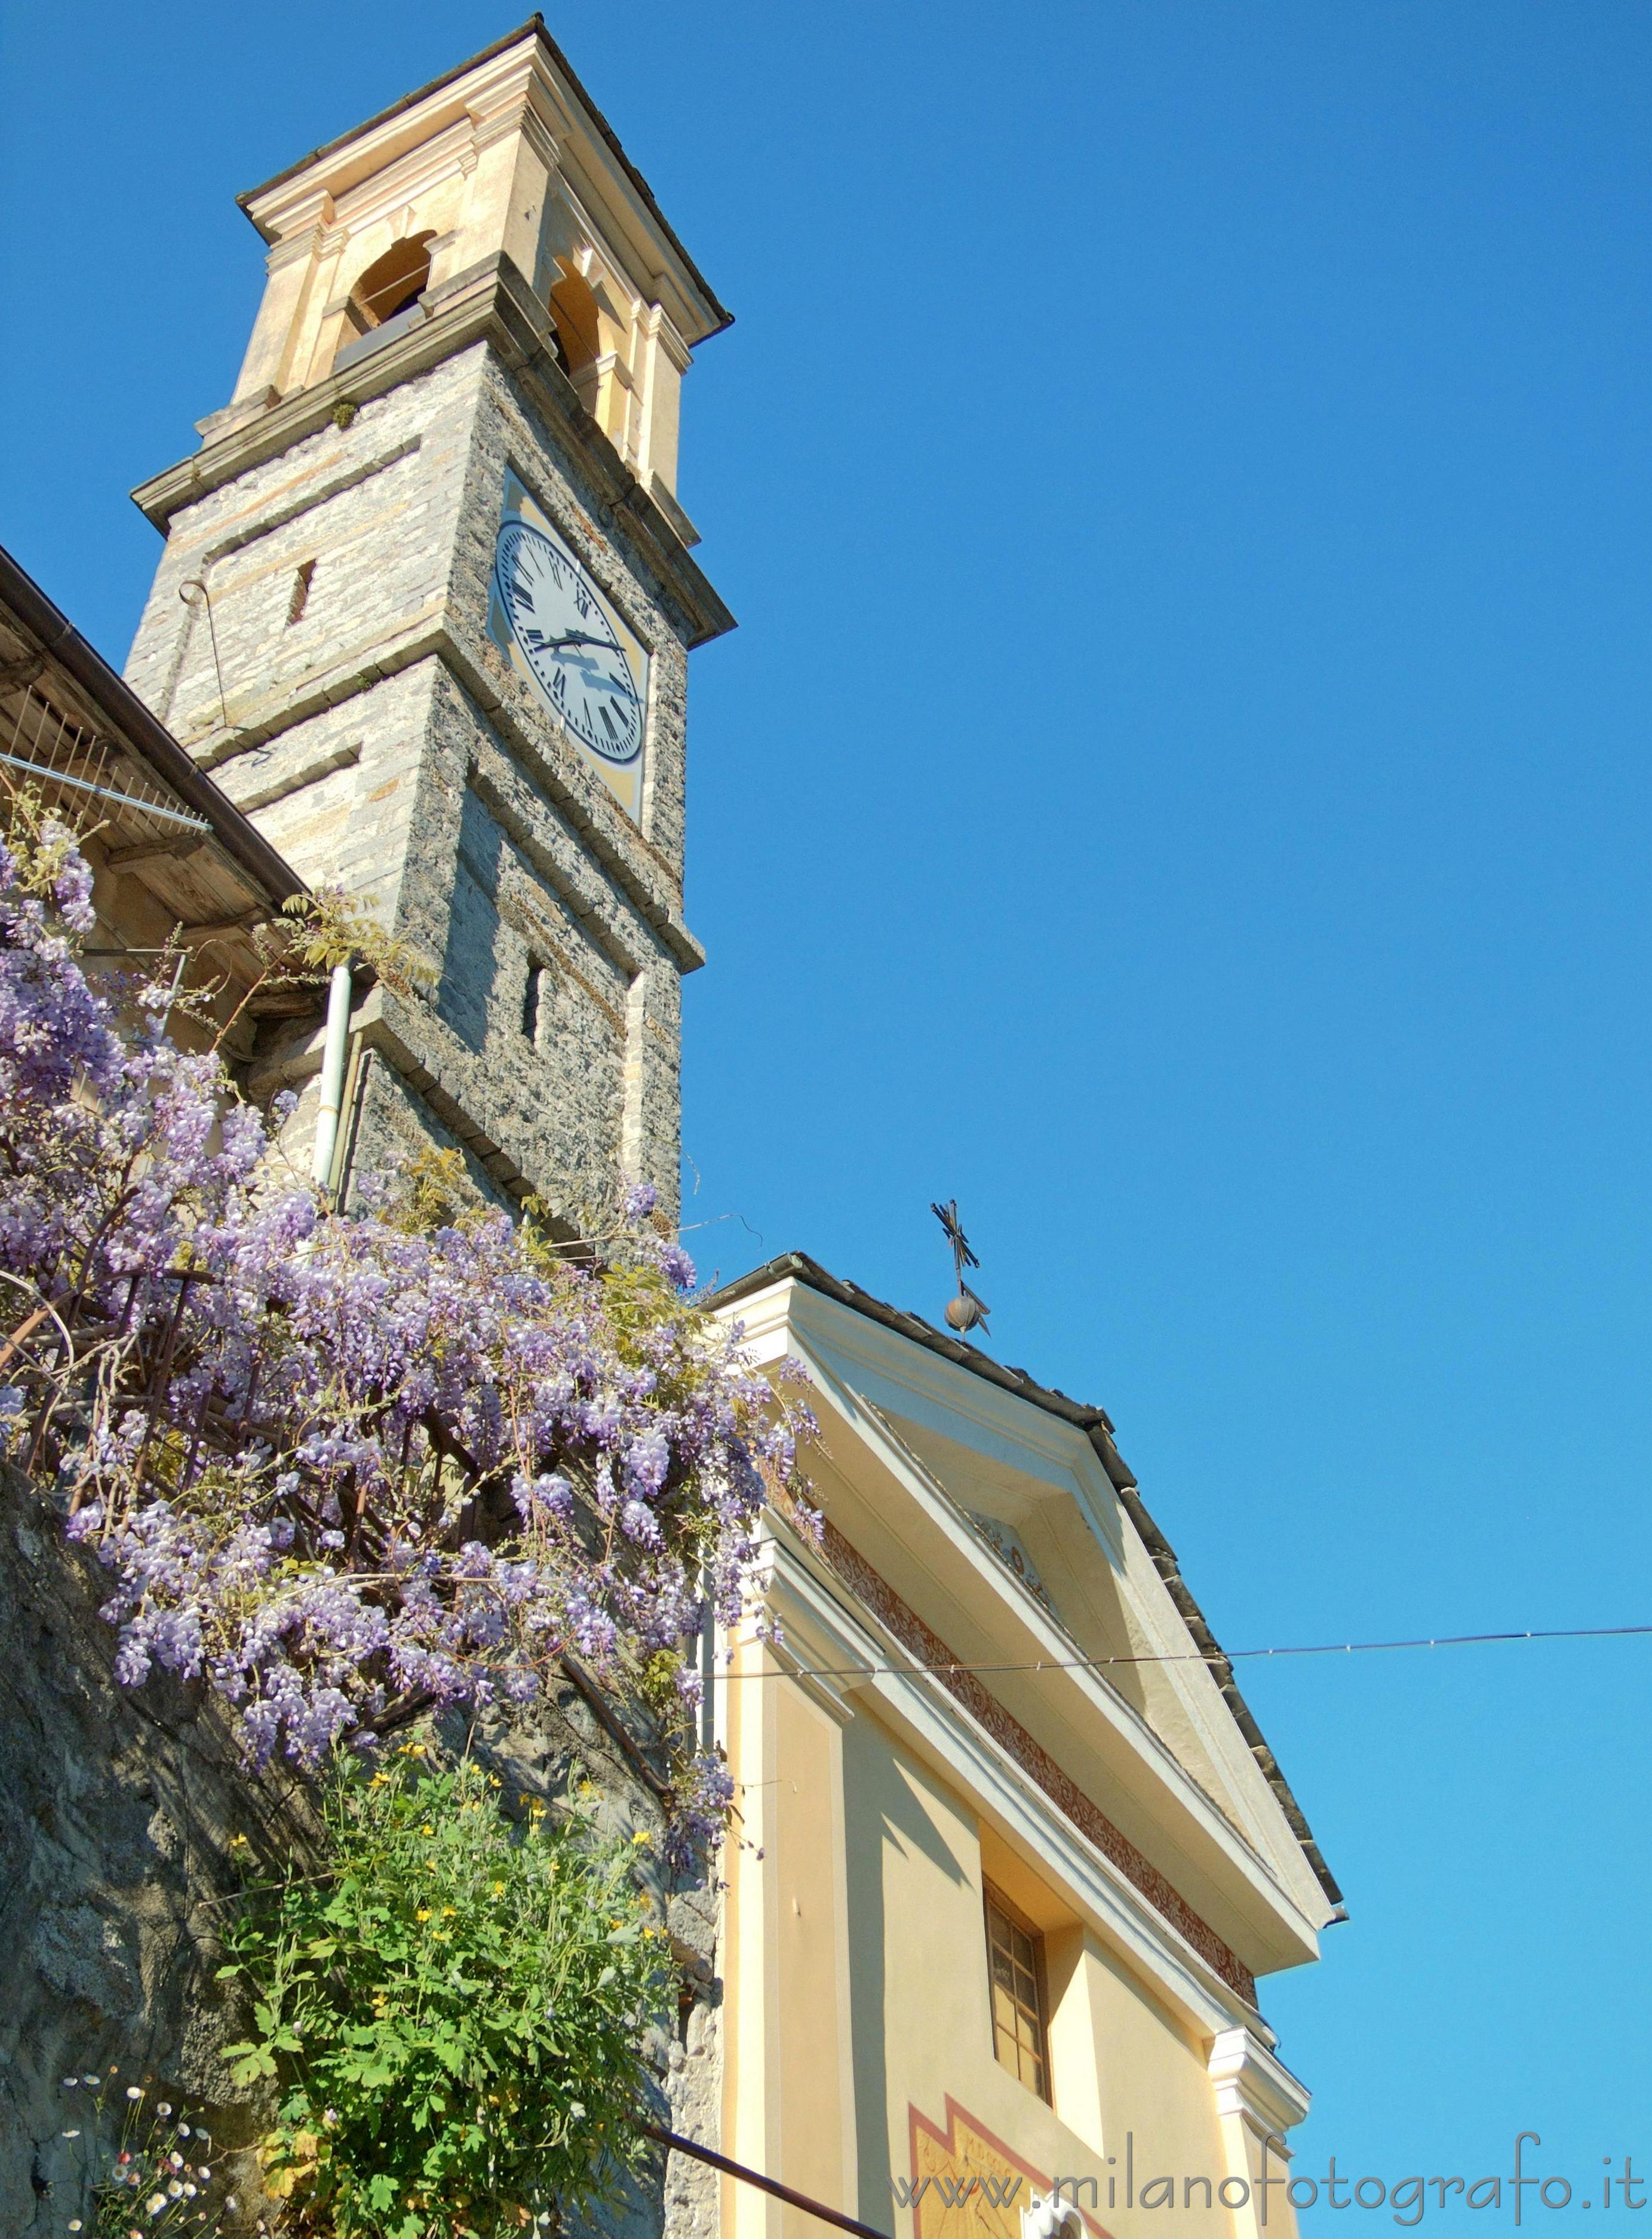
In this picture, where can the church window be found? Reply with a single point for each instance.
(392, 283)
(300, 599)
(531, 995)
(1016, 1984)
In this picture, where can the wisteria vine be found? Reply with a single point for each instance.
(343, 1469)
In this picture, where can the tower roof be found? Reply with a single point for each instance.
(715, 316)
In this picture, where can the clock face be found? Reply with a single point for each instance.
(559, 620)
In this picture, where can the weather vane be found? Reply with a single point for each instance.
(965, 1312)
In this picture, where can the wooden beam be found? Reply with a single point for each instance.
(197, 936)
(177, 848)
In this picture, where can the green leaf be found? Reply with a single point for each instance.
(406, 2026)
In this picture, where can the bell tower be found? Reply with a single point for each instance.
(425, 610)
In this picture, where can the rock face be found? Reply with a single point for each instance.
(116, 1815)
(118, 1810)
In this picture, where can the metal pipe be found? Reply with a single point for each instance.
(708, 1677)
(195, 583)
(768, 2184)
(172, 996)
(332, 1052)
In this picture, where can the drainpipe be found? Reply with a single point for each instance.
(708, 1679)
(332, 1052)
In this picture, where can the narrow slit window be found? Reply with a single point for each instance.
(300, 599)
(531, 994)
(1016, 1985)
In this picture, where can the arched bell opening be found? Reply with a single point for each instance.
(576, 331)
(391, 284)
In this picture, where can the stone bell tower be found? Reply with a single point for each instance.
(425, 609)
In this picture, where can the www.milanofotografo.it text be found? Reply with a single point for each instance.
(1406, 2198)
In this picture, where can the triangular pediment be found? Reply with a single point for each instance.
(990, 1507)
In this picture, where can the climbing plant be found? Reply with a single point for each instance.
(450, 2012)
(346, 1469)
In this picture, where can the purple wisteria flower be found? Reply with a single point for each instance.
(337, 1469)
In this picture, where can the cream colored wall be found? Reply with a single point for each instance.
(811, 1947)
(788, 2093)
(1119, 2063)
(868, 1898)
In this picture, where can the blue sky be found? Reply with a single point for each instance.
(1179, 787)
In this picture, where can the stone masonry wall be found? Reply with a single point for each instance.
(381, 740)
(117, 1811)
(506, 433)
(374, 506)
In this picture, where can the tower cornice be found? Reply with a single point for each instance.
(490, 303)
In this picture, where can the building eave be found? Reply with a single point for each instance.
(130, 719)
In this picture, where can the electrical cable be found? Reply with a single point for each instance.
(1215, 1656)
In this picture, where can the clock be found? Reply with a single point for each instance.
(561, 622)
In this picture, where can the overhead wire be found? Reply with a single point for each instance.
(1208, 1656)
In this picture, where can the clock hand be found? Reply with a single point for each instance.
(540, 643)
(592, 670)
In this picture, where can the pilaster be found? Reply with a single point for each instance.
(789, 2086)
(291, 265)
(1258, 2101)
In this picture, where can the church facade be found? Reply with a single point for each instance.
(1014, 1853)
(1011, 1857)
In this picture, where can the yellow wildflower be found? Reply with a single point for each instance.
(424, 1913)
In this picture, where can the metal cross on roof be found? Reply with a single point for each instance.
(965, 1312)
